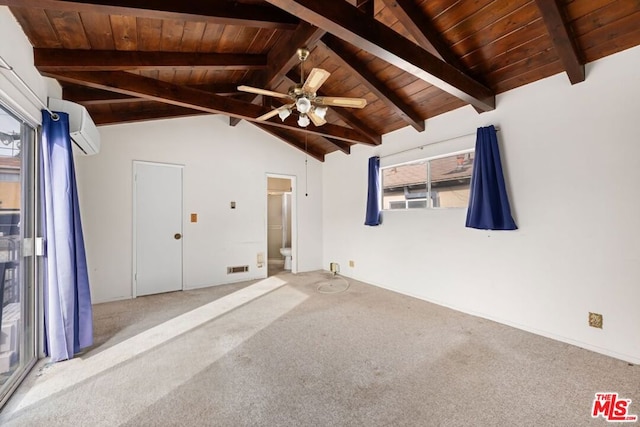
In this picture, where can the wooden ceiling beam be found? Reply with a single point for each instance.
(421, 28)
(358, 3)
(341, 145)
(365, 32)
(355, 123)
(102, 118)
(182, 96)
(110, 60)
(88, 96)
(284, 136)
(366, 6)
(563, 41)
(362, 4)
(214, 12)
(378, 88)
(223, 89)
(285, 56)
(346, 115)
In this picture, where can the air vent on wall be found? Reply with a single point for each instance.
(238, 269)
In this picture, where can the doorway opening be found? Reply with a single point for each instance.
(281, 225)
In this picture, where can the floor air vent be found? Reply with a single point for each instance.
(238, 269)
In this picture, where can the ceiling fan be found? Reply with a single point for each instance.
(309, 106)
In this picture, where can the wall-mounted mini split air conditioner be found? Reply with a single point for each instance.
(84, 132)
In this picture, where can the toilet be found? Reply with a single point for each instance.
(286, 253)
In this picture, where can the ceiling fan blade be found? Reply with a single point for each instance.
(268, 115)
(275, 112)
(259, 91)
(334, 101)
(316, 119)
(316, 78)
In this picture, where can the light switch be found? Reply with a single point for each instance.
(194, 217)
(233, 205)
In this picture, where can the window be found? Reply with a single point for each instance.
(439, 182)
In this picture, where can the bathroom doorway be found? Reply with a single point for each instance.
(281, 224)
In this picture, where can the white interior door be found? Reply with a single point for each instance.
(157, 228)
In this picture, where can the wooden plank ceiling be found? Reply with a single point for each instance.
(410, 59)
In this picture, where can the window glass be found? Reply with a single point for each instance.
(429, 183)
(405, 186)
(450, 180)
(17, 347)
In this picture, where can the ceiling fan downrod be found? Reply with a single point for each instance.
(303, 54)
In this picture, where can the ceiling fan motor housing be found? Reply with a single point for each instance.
(296, 91)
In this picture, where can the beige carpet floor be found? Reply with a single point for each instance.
(294, 356)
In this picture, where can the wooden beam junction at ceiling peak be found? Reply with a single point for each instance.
(351, 25)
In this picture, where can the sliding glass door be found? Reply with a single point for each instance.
(17, 260)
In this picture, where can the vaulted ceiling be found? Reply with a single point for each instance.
(410, 59)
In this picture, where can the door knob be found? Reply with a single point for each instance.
(177, 236)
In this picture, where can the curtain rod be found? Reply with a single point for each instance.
(433, 143)
(6, 66)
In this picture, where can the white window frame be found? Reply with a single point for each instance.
(428, 198)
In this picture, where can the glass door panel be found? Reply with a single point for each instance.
(17, 294)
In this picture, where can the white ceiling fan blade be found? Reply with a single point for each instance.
(316, 78)
(316, 119)
(274, 112)
(334, 101)
(259, 91)
(268, 115)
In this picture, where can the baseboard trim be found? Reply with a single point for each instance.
(596, 349)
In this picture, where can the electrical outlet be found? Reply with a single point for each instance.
(352, 263)
(334, 267)
(595, 320)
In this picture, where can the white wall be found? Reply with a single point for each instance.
(221, 164)
(572, 161)
(16, 50)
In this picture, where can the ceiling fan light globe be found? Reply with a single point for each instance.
(303, 121)
(284, 113)
(321, 111)
(303, 105)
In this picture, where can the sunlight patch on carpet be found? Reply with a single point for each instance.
(72, 372)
